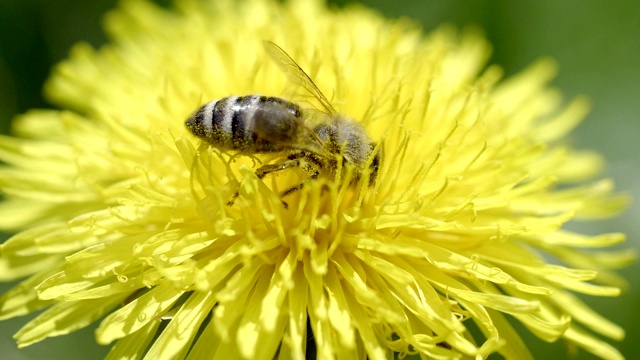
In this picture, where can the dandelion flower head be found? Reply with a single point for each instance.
(121, 214)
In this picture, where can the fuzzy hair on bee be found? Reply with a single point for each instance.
(254, 124)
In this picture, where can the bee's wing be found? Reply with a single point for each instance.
(296, 74)
(277, 129)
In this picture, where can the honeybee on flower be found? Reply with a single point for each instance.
(265, 124)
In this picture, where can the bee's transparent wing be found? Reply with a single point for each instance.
(296, 74)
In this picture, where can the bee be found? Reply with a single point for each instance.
(315, 140)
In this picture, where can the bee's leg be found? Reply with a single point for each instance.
(233, 198)
(311, 164)
(291, 162)
(293, 189)
(271, 168)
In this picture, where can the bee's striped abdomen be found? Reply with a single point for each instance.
(252, 123)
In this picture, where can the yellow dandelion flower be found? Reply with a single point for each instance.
(122, 215)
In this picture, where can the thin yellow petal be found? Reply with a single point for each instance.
(133, 346)
(64, 318)
(136, 314)
(175, 340)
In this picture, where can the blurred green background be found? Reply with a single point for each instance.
(597, 44)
